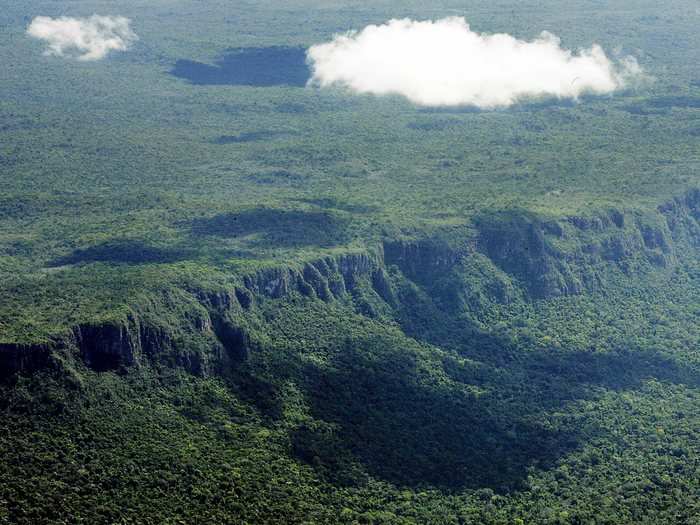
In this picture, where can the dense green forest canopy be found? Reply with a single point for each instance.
(127, 161)
(230, 297)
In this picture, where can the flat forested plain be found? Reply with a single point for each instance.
(227, 297)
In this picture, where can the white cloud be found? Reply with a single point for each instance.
(90, 38)
(445, 63)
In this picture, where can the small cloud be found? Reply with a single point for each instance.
(90, 38)
(445, 63)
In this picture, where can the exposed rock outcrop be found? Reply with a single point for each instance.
(23, 358)
(108, 346)
(508, 255)
(553, 258)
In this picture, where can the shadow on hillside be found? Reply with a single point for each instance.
(331, 203)
(244, 138)
(662, 105)
(123, 251)
(277, 228)
(251, 66)
(277, 178)
(436, 125)
(525, 105)
(406, 430)
(379, 408)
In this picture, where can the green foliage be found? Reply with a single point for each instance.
(521, 346)
(560, 411)
(113, 171)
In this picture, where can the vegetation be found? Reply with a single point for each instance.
(562, 412)
(231, 298)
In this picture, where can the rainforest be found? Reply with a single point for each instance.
(349, 262)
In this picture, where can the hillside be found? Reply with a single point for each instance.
(230, 297)
(422, 382)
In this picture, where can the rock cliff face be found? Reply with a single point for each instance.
(520, 246)
(423, 259)
(207, 336)
(682, 216)
(565, 257)
(325, 278)
(538, 258)
(108, 346)
(23, 358)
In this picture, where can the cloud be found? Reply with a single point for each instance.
(445, 63)
(89, 38)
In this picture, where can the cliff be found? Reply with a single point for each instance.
(506, 256)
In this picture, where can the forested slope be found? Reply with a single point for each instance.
(542, 370)
(227, 296)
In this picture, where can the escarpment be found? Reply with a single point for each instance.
(500, 258)
(568, 256)
(205, 329)
(24, 357)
